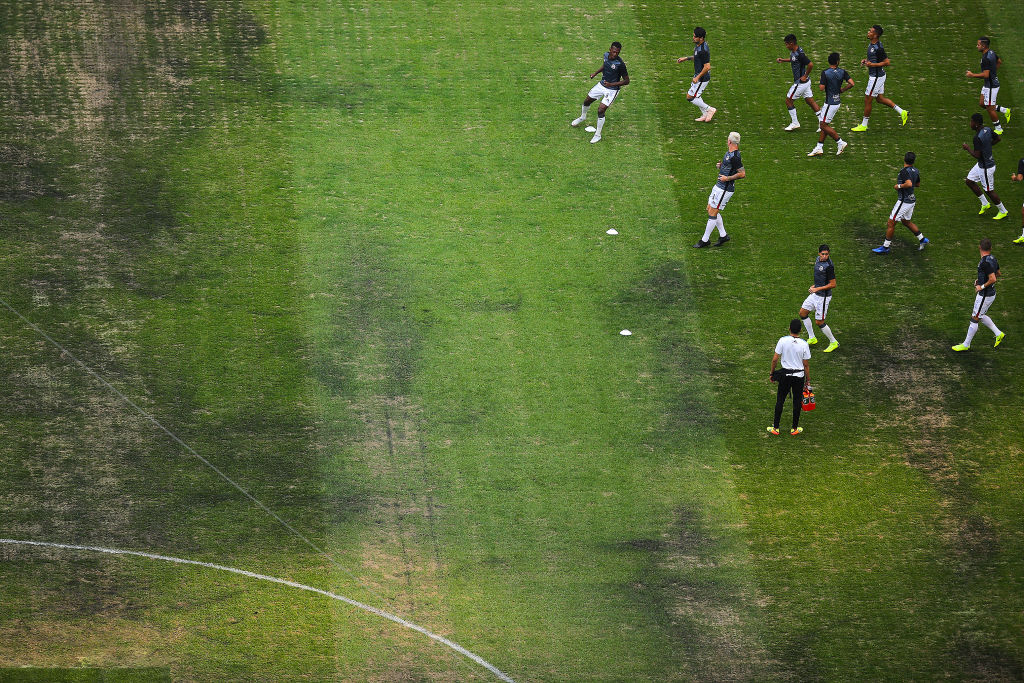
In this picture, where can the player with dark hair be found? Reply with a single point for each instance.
(796, 375)
(990, 62)
(819, 296)
(730, 169)
(876, 62)
(701, 74)
(1017, 177)
(614, 77)
(984, 171)
(985, 294)
(906, 180)
(801, 88)
(832, 80)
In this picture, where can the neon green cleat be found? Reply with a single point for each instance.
(814, 340)
(774, 431)
(859, 129)
(984, 208)
(1007, 114)
(1019, 240)
(999, 339)
(961, 347)
(903, 117)
(1000, 216)
(798, 430)
(997, 131)
(831, 347)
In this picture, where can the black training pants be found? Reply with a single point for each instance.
(794, 385)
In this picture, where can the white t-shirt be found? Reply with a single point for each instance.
(793, 351)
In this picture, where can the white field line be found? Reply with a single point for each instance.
(263, 577)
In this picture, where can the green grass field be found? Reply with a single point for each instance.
(353, 256)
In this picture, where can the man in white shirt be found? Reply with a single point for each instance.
(796, 375)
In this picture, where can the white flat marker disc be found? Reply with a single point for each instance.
(612, 231)
(625, 333)
(590, 129)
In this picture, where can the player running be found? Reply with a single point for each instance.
(832, 80)
(701, 74)
(906, 180)
(985, 170)
(1017, 177)
(819, 296)
(985, 294)
(730, 169)
(876, 62)
(990, 62)
(614, 77)
(802, 66)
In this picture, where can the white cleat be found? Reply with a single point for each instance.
(792, 126)
(702, 117)
(710, 113)
(596, 138)
(816, 152)
(576, 122)
(842, 146)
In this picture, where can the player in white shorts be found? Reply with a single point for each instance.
(614, 77)
(876, 62)
(730, 168)
(981, 178)
(906, 181)
(1017, 177)
(819, 296)
(832, 80)
(801, 88)
(990, 63)
(701, 59)
(984, 295)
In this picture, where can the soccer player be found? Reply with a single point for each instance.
(990, 62)
(906, 180)
(985, 170)
(701, 73)
(876, 62)
(802, 66)
(1017, 177)
(794, 354)
(832, 80)
(615, 76)
(819, 296)
(985, 294)
(730, 168)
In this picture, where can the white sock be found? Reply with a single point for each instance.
(983, 199)
(886, 243)
(583, 114)
(990, 324)
(1002, 110)
(792, 114)
(818, 147)
(920, 237)
(972, 330)
(828, 333)
(701, 104)
(720, 224)
(709, 229)
(1002, 209)
(897, 108)
(810, 327)
(600, 124)
(864, 121)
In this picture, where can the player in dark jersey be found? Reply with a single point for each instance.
(990, 62)
(984, 171)
(876, 62)
(1017, 177)
(614, 77)
(832, 80)
(802, 66)
(730, 169)
(701, 74)
(819, 296)
(906, 181)
(985, 294)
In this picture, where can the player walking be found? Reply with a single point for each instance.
(614, 77)
(730, 169)
(876, 62)
(906, 180)
(819, 296)
(796, 375)
(802, 66)
(985, 294)
(1017, 177)
(701, 74)
(832, 80)
(990, 62)
(984, 171)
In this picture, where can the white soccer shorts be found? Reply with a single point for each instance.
(902, 211)
(799, 91)
(982, 302)
(600, 92)
(876, 85)
(828, 112)
(984, 177)
(697, 89)
(988, 95)
(818, 304)
(719, 198)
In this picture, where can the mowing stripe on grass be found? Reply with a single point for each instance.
(263, 577)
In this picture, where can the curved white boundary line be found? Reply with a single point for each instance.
(263, 577)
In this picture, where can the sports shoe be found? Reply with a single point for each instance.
(997, 131)
(701, 244)
(596, 138)
(921, 243)
(841, 147)
(859, 129)
(819, 130)
(961, 347)
(576, 122)
(811, 341)
(710, 113)
(796, 430)
(999, 339)
(792, 126)
(721, 240)
(1019, 240)
(984, 208)
(773, 430)
(903, 117)
(881, 249)
(831, 347)
(1000, 216)
(1007, 114)
(816, 152)
(702, 117)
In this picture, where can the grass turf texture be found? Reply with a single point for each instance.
(356, 257)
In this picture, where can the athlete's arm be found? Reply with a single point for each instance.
(850, 81)
(775, 360)
(831, 285)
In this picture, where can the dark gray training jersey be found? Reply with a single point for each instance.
(876, 53)
(731, 163)
(983, 145)
(701, 56)
(824, 273)
(833, 78)
(986, 266)
(990, 61)
(614, 71)
(799, 61)
(906, 194)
